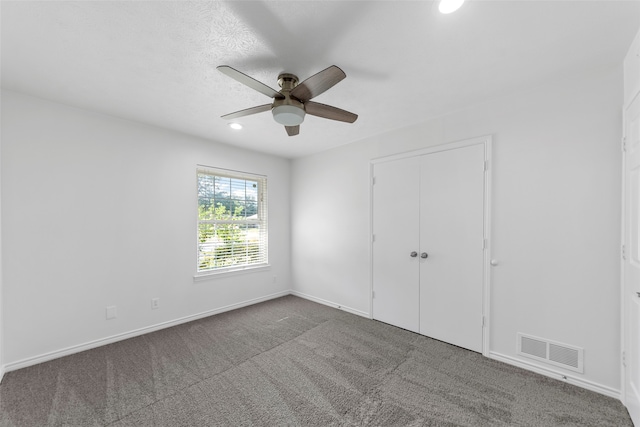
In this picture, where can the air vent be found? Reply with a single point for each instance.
(533, 347)
(554, 353)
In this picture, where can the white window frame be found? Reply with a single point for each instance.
(260, 221)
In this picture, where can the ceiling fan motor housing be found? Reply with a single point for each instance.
(287, 111)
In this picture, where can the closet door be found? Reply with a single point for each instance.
(395, 237)
(452, 237)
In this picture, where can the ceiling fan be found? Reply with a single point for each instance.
(293, 101)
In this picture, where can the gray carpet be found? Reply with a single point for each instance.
(292, 362)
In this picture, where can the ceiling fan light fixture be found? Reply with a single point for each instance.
(288, 115)
(448, 6)
(293, 101)
(235, 126)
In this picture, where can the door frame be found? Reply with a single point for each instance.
(487, 142)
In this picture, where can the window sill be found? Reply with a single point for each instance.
(212, 275)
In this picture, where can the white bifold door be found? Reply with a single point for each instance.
(428, 244)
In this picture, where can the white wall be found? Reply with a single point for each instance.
(98, 211)
(556, 217)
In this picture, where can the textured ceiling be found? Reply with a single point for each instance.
(155, 61)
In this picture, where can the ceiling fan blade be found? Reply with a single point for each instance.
(329, 112)
(247, 112)
(292, 130)
(249, 81)
(318, 83)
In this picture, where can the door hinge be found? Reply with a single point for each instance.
(483, 321)
(624, 252)
(484, 244)
(486, 165)
(624, 144)
(373, 180)
(373, 238)
(373, 294)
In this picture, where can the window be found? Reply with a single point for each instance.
(232, 220)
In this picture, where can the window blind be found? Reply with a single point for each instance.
(232, 220)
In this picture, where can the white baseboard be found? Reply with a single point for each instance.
(530, 366)
(552, 373)
(331, 304)
(126, 335)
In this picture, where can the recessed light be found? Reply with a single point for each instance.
(448, 6)
(236, 126)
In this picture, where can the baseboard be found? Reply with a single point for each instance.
(126, 335)
(530, 366)
(552, 373)
(330, 304)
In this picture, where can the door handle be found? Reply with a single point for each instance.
(424, 255)
(414, 254)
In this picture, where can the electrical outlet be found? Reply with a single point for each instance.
(112, 312)
(155, 303)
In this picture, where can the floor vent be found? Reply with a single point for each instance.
(554, 353)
